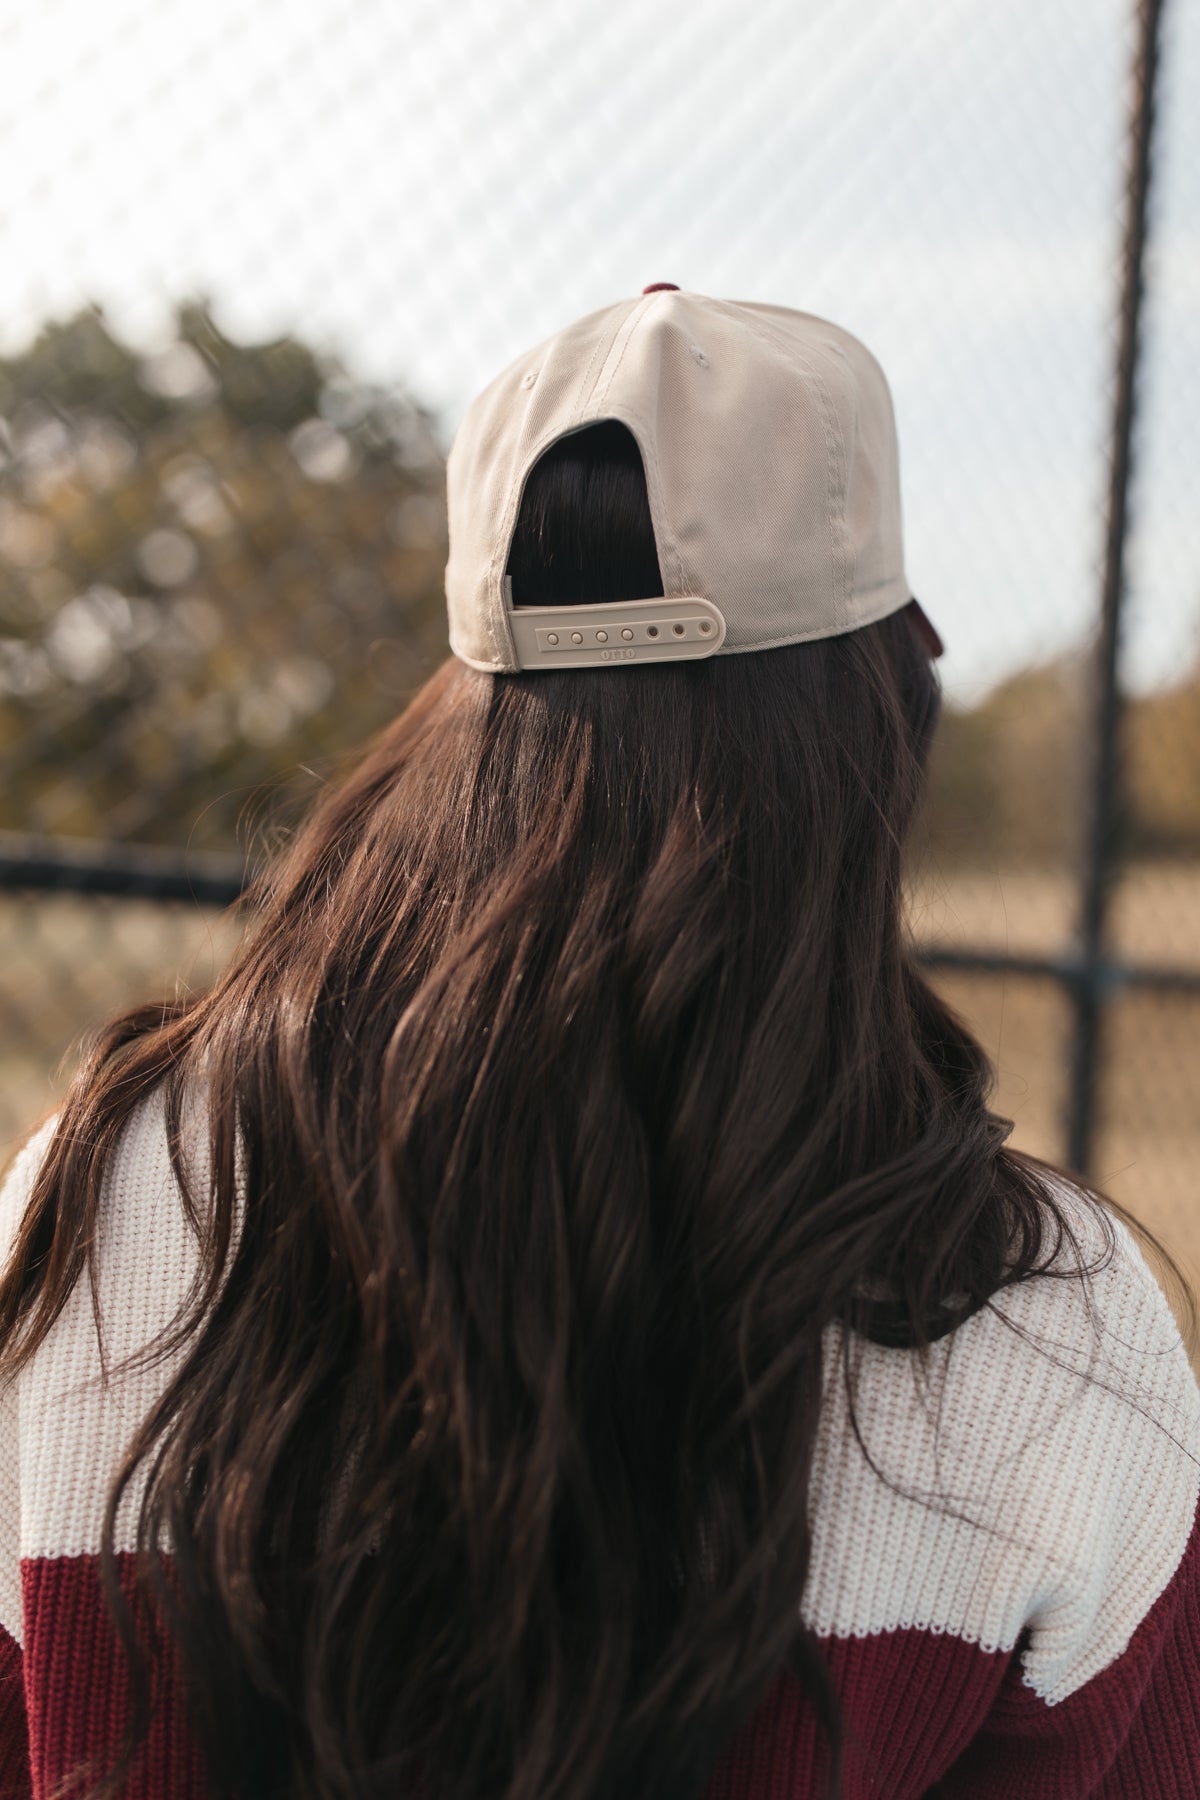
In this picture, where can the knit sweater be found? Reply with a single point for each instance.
(1008, 1599)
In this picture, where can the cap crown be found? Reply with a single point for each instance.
(769, 445)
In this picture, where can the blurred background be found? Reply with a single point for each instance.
(254, 262)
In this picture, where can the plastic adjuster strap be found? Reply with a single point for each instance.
(614, 633)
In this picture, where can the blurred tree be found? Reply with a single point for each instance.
(1006, 777)
(215, 560)
(1162, 745)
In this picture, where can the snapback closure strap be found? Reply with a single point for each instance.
(609, 633)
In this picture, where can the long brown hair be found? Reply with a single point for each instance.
(575, 1074)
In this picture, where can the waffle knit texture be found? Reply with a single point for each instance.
(1009, 1601)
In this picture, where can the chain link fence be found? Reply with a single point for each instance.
(260, 259)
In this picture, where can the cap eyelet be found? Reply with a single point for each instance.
(528, 379)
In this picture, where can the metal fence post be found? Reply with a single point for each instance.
(1095, 984)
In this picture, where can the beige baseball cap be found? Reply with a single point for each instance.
(769, 446)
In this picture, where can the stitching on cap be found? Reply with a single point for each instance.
(511, 663)
(837, 466)
(634, 321)
(579, 402)
(494, 576)
(838, 550)
(650, 463)
(646, 450)
(506, 653)
(841, 462)
(631, 320)
(630, 325)
(650, 457)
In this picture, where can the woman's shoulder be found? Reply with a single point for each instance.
(139, 1176)
(78, 1399)
(16, 1187)
(1084, 1357)
(1040, 1470)
(146, 1248)
(1088, 1336)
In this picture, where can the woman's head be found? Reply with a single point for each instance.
(574, 1076)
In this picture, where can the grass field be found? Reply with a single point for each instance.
(68, 962)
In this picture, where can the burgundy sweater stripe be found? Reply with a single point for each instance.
(1131, 1733)
(14, 1735)
(911, 1701)
(77, 1689)
(926, 1712)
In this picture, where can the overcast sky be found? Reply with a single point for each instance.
(430, 189)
